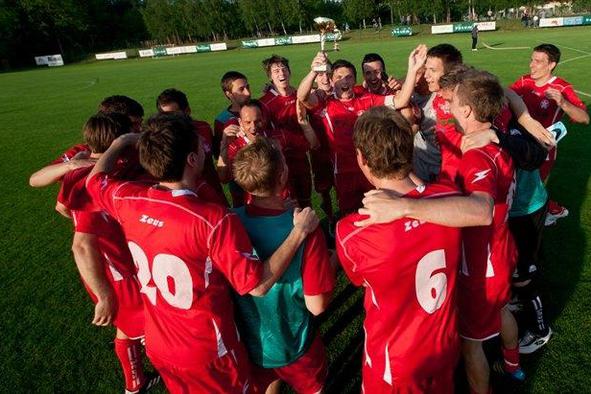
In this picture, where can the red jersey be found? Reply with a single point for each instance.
(209, 173)
(408, 269)
(541, 108)
(89, 219)
(70, 153)
(188, 254)
(503, 120)
(489, 251)
(449, 139)
(339, 118)
(281, 112)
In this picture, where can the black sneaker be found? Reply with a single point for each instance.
(152, 379)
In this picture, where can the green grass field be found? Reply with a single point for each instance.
(47, 343)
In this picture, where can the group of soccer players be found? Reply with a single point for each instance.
(441, 206)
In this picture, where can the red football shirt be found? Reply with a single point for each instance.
(449, 139)
(209, 173)
(489, 251)
(188, 254)
(408, 269)
(281, 112)
(543, 109)
(339, 118)
(87, 219)
(70, 153)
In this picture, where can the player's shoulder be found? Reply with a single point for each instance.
(190, 204)
(201, 124)
(269, 96)
(435, 190)
(559, 83)
(224, 116)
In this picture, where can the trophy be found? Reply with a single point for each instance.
(324, 25)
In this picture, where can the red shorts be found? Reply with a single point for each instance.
(547, 166)
(305, 375)
(480, 313)
(130, 308)
(351, 187)
(440, 383)
(227, 374)
(322, 169)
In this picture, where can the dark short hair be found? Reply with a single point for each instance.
(275, 59)
(121, 104)
(372, 57)
(229, 78)
(172, 96)
(346, 64)
(257, 167)
(448, 54)
(482, 91)
(165, 144)
(385, 139)
(254, 103)
(100, 130)
(550, 50)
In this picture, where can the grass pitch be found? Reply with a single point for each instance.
(47, 342)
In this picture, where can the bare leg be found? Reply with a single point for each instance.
(477, 368)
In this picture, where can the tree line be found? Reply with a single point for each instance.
(75, 28)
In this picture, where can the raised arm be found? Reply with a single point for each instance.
(107, 161)
(416, 60)
(524, 118)
(305, 87)
(223, 163)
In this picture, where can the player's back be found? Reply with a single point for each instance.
(170, 234)
(409, 271)
(88, 218)
(489, 250)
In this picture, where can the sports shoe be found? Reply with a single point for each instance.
(152, 379)
(517, 376)
(555, 212)
(530, 342)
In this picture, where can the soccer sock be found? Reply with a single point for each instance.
(130, 357)
(511, 359)
(533, 304)
(538, 311)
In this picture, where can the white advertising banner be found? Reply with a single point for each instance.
(305, 39)
(146, 52)
(218, 47)
(49, 60)
(440, 29)
(551, 22)
(111, 55)
(487, 26)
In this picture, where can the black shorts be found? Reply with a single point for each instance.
(527, 232)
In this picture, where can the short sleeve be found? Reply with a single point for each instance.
(102, 188)
(477, 173)
(345, 256)
(232, 253)
(518, 86)
(318, 274)
(570, 95)
(87, 222)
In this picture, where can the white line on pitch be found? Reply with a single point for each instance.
(572, 49)
(575, 58)
(583, 93)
